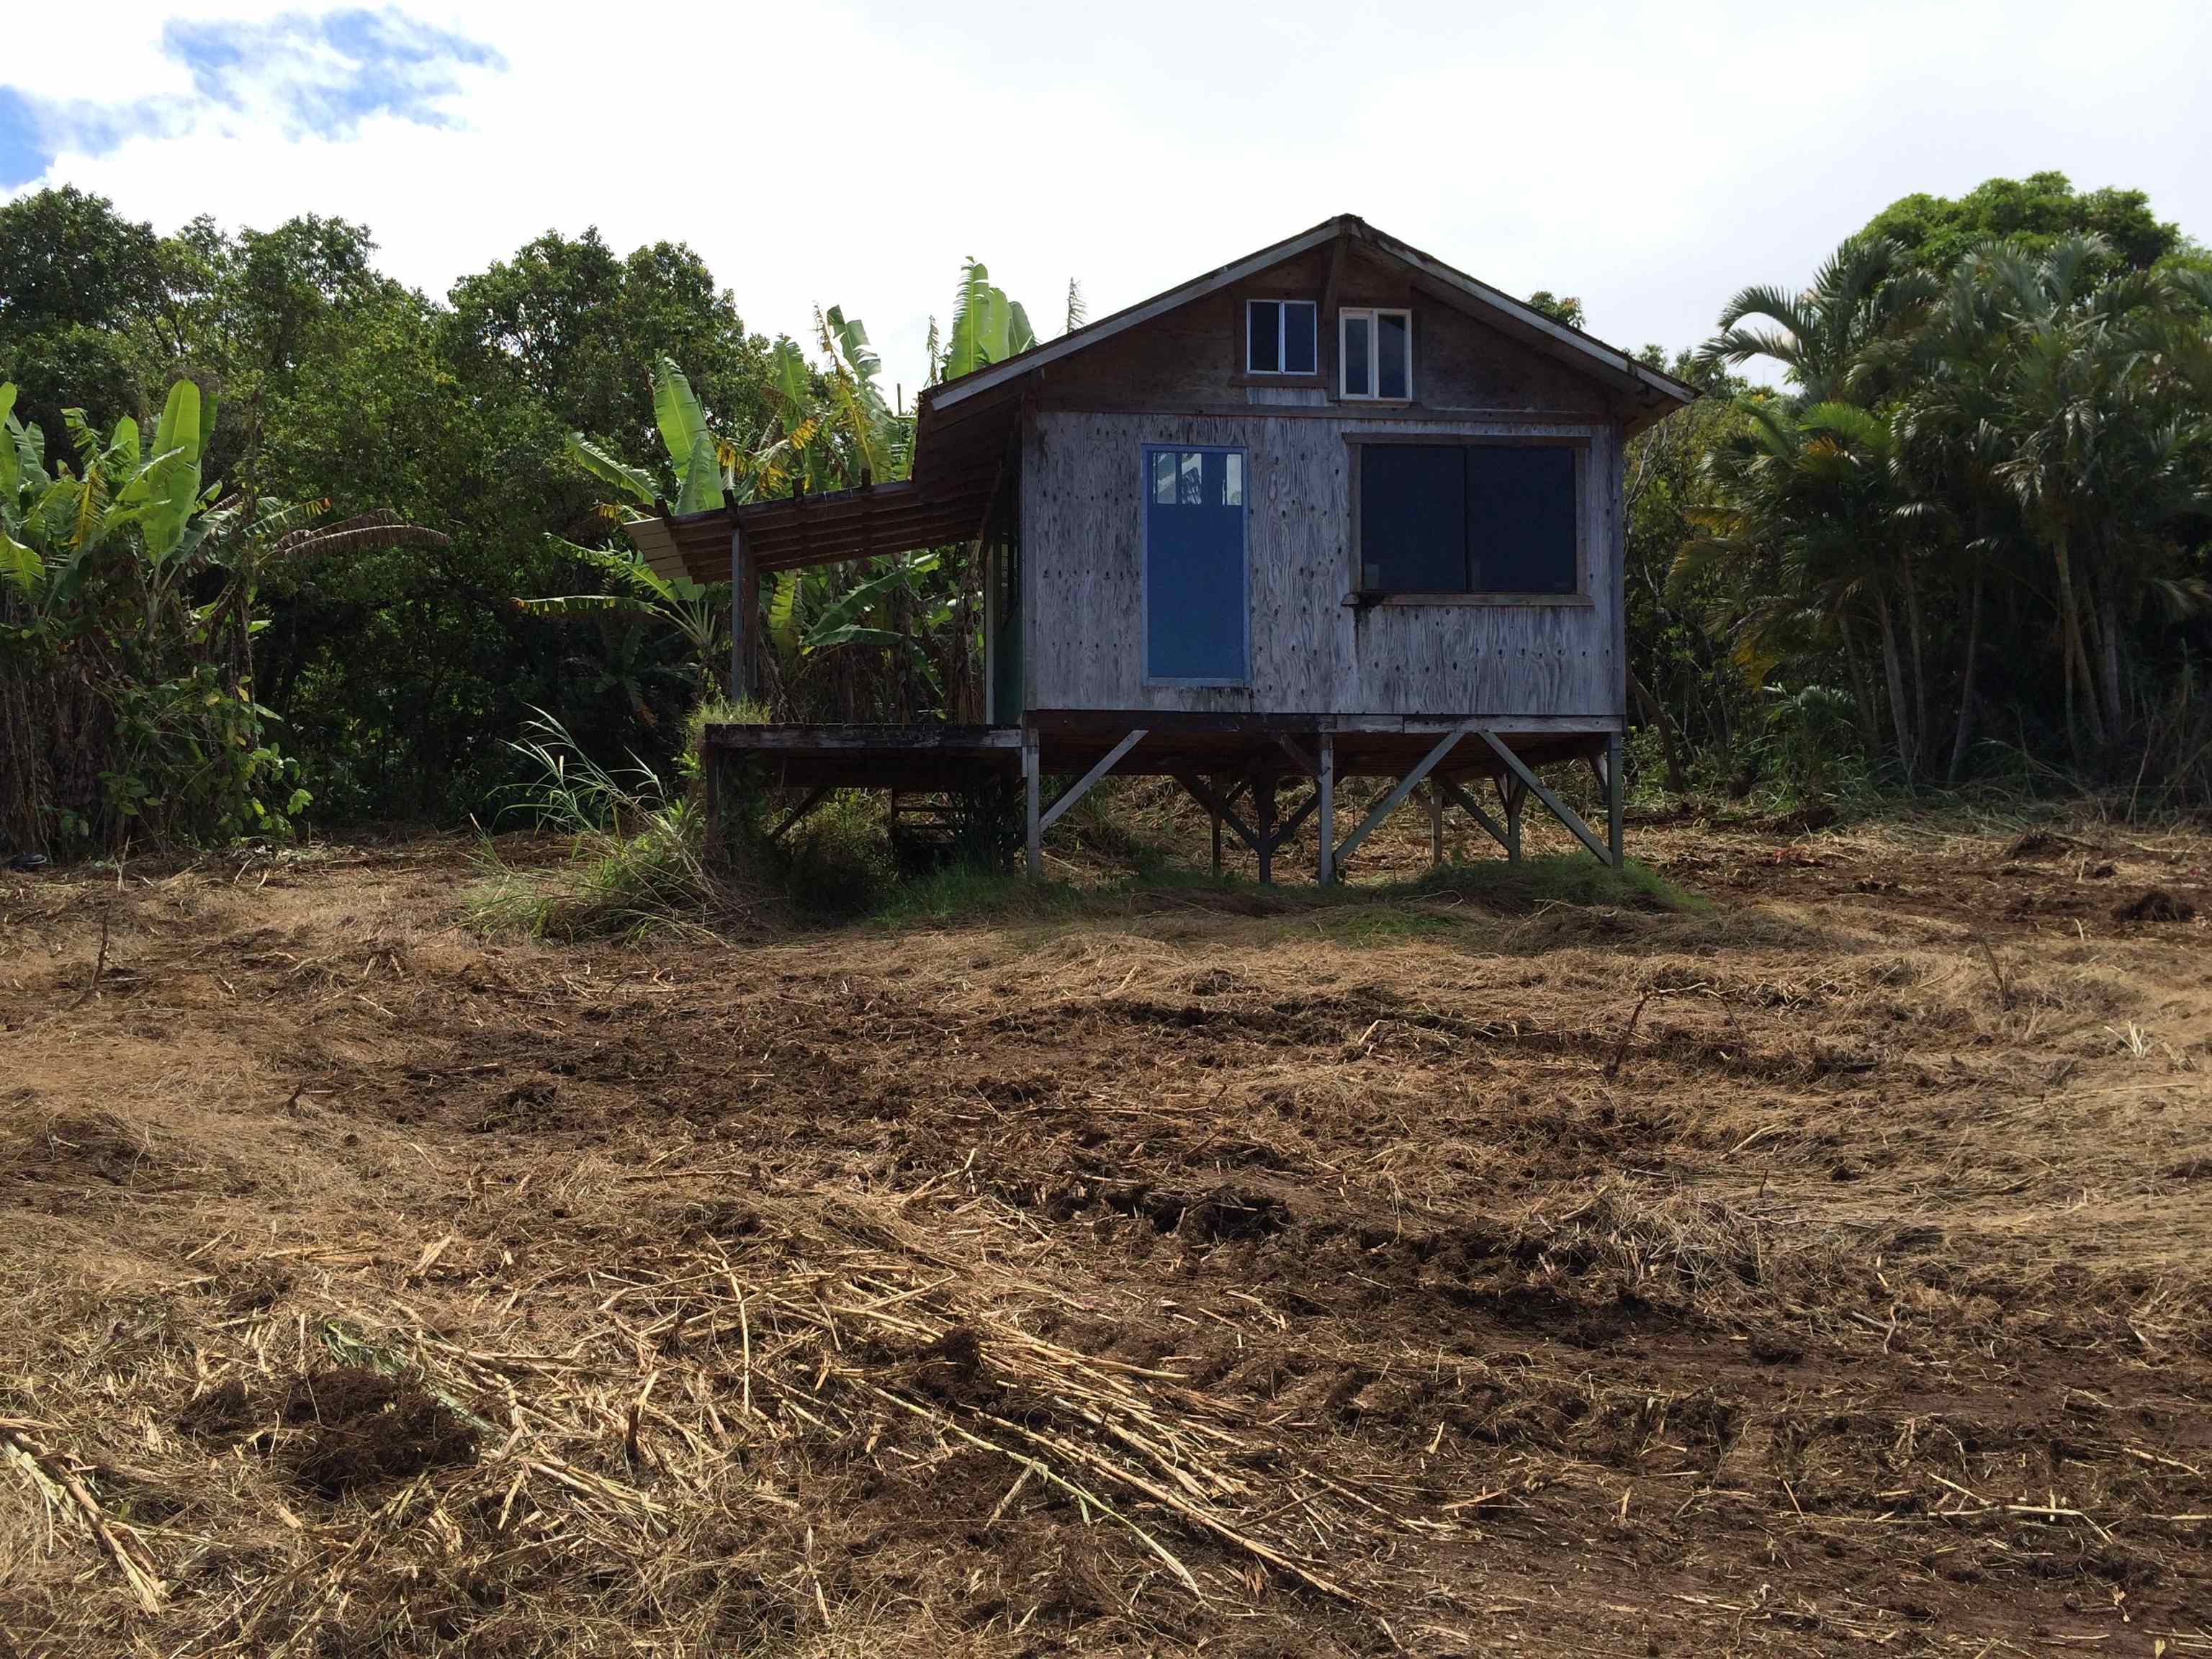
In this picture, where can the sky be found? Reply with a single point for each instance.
(1650, 159)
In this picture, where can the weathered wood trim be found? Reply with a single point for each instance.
(1556, 601)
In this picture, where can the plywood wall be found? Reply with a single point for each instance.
(1311, 653)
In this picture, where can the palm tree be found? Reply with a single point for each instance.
(1827, 337)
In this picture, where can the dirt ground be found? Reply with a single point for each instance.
(1826, 1268)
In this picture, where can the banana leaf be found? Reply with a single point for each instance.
(678, 414)
(701, 488)
(635, 481)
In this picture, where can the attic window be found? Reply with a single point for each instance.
(1376, 350)
(1280, 336)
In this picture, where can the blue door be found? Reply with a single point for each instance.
(1197, 615)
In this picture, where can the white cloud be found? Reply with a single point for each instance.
(1649, 160)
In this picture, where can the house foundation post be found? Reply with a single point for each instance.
(1325, 784)
(1514, 791)
(1436, 825)
(1263, 803)
(1614, 798)
(1031, 782)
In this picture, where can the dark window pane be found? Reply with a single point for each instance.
(1261, 320)
(1393, 363)
(1413, 519)
(1298, 317)
(1520, 518)
(1356, 382)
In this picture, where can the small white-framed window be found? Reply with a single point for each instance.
(1280, 336)
(1375, 350)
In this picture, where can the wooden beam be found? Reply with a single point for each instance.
(1218, 806)
(1299, 758)
(1289, 825)
(1389, 803)
(1436, 825)
(1558, 808)
(1082, 785)
(792, 819)
(1473, 808)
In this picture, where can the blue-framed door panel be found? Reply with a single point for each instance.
(1195, 586)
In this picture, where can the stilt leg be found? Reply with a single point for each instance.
(1263, 802)
(1436, 825)
(1326, 783)
(1031, 782)
(1515, 793)
(1613, 799)
(1216, 817)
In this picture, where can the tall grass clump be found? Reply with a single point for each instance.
(637, 860)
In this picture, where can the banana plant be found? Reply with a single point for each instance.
(987, 326)
(696, 610)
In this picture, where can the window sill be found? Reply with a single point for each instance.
(1569, 601)
(1305, 382)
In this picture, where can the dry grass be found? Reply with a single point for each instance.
(1821, 1270)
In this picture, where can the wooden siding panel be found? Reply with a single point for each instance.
(1311, 652)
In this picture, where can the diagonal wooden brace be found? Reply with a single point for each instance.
(1205, 798)
(1389, 803)
(1076, 790)
(1468, 805)
(1558, 808)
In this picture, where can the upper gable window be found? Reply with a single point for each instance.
(1280, 336)
(1375, 349)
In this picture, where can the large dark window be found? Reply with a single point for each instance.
(1467, 518)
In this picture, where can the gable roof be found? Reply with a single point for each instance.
(1568, 344)
(962, 427)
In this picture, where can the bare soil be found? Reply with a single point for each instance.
(1826, 1268)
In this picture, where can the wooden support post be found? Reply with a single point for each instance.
(1030, 783)
(744, 606)
(1325, 785)
(1215, 814)
(1436, 825)
(1615, 788)
(1558, 808)
(1263, 801)
(1515, 793)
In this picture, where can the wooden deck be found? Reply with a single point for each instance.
(940, 756)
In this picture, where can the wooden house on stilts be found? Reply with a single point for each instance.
(1334, 510)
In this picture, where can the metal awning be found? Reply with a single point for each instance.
(945, 507)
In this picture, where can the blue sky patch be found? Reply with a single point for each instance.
(328, 74)
(322, 73)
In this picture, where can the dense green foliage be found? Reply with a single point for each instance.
(1980, 508)
(1966, 537)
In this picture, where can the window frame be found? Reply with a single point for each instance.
(1146, 449)
(1373, 314)
(1281, 303)
(1582, 597)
